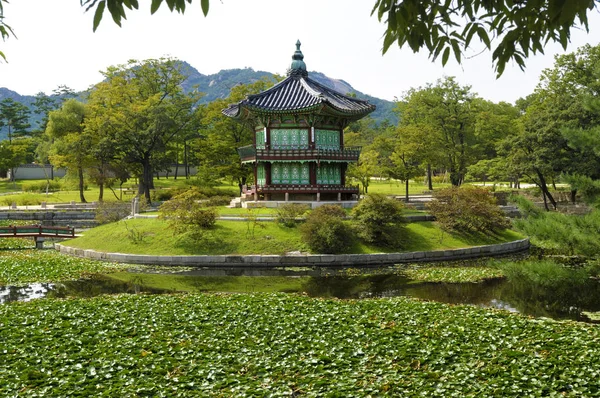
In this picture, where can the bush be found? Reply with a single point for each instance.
(40, 186)
(218, 200)
(325, 231)
(560, 233)
(162, 195)
(107, 212)
(184, 213)
(289, 212)
(467, 208)
(377, 219)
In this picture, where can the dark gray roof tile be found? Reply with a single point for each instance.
(299, 93)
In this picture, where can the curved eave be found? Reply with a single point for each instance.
(299, 95)
(235, 111)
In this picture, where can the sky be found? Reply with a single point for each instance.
(55, 46)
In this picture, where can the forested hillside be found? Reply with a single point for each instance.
(219, 85)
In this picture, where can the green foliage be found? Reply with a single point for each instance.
(161, 195)
(135, 345)
(563, 233)
(217, 200)
(24, 266)
(288, 213)
(438, 122)
(376, 219)
(153, 113)
(185, 213)
(585, 186)
(467, 209)
(41, 186)
(324, 230)
(446, 27)
(107, 212)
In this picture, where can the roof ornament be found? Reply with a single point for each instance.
(298, 67)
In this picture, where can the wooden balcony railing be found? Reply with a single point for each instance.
(290, 152)
(305, 188)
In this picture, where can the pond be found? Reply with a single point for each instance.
(516, 294)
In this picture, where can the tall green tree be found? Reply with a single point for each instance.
(222, 135)
(408, 154)
(141, 108)
(557, 116)
(14, 117)
(71, 146)
(445, 115)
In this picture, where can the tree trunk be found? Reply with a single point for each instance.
(573, 195)
(429, 177)
(101, 194)
(406, 197)
(185, 160)
(81, 185)
(146, 180)
(242, 182)
(545, 192)
(455, 178)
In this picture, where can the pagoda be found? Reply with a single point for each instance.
(298, 150)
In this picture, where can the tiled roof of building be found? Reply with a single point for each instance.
(298, 93)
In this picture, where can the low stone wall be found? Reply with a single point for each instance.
(308, 260)
(46, 215)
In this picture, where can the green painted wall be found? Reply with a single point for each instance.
(327, 139)
(289, 138)
(329, 174)
(261, 174)
(290, 173)
(260, 139)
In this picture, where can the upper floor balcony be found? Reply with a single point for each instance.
(295, 152)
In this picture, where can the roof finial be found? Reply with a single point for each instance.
(298, 67)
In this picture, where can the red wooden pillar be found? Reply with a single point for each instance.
(255, 175)
(312, 173)
(343, 168)
(268, 173)
(342, 139)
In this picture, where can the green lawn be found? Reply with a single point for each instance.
(152, 236)
(394, 187)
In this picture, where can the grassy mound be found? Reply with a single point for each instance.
(152, 236)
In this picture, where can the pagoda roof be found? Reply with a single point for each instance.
(299, 94)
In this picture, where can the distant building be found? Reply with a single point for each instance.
(298, 151)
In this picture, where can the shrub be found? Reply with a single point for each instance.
(40, 186)
(289, 212)
(561, 233)
(218, 200)
(467, 208)
(329, 210)
(184, 213)
(325, 231)
(107, 212)
(161, 195)
(377, 219)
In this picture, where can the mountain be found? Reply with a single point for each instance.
(219, 85)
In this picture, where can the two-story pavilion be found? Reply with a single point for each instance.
(298, 151)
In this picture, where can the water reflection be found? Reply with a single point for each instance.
(81, 288)
(560, 301)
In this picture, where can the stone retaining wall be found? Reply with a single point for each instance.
(47, 215)
(308, 260)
